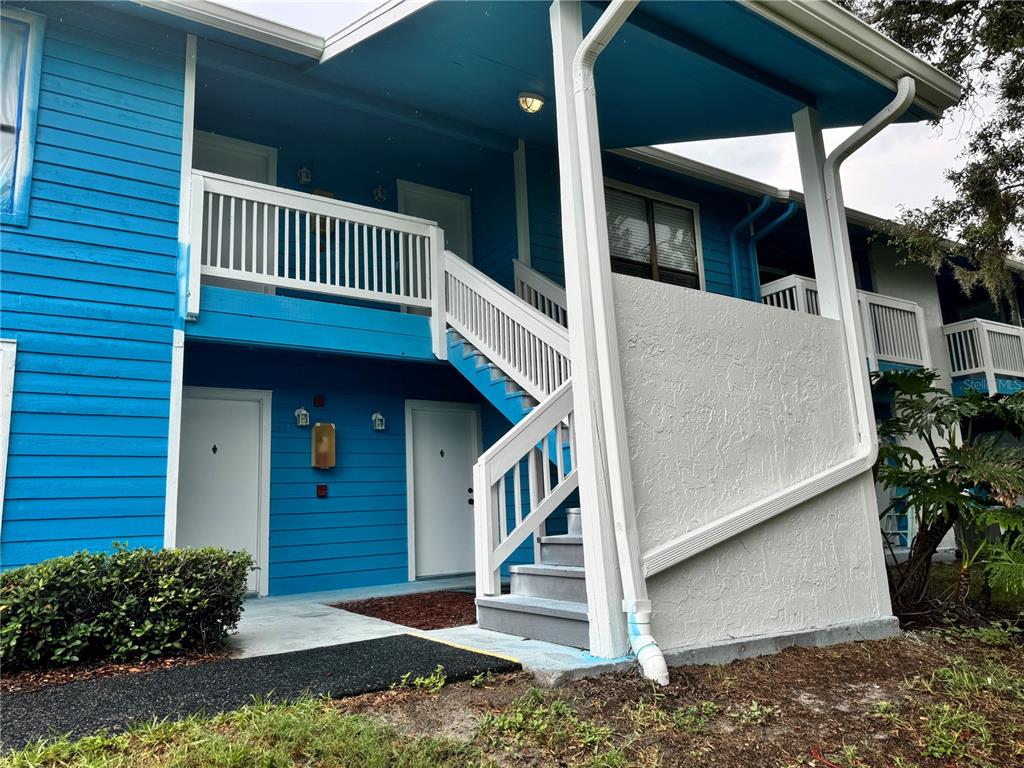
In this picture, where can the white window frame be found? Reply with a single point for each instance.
(679, 202)
(21, 184)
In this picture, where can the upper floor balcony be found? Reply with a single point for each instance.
(896, 334)
(985, 356)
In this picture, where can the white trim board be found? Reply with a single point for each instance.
(522, 204)
(410, 490)
(265, 398)
(8, 357)
(227, 19)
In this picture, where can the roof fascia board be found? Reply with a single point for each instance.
(237, 22)
(370, 24)
(842, 35)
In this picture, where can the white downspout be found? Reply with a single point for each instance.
(866, 452)
(634, 585)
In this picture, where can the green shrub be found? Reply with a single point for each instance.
(131, 604)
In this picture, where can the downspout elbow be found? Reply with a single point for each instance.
(645, 647)
(734, 246)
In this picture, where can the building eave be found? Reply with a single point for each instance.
(246, 25)
(369, 24)
(844, 36)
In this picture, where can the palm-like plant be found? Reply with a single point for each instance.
(969, 475)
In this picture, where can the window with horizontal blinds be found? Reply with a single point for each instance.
(12, 73)
(651, 238)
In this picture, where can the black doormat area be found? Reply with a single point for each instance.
(114, 703)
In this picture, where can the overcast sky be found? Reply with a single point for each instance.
(902, 166)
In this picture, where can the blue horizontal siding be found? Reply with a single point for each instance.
(358, 535)
(89, 290)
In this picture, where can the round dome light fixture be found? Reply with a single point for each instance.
(530, 102)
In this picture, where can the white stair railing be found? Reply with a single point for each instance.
(511, 508)
(528, 346)
(541, 292)
(985, 347)
(895, 328)
(257, 233)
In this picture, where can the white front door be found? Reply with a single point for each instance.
(443, 443)
(221, 477)
(450, 210)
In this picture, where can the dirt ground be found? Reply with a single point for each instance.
(424, 610)
(929, 699)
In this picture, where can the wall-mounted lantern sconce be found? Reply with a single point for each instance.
(301, 417)
(305, 176)
(379, 422)
(323, 447)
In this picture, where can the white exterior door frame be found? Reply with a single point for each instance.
(264, 398)
(409, 189)
(476, 438)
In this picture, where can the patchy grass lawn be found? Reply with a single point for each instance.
(930, 699)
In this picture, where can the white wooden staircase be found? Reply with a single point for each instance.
(517, 355)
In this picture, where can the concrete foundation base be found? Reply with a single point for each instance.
(745, 648)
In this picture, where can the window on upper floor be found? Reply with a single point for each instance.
(653, 236)
(21, 44)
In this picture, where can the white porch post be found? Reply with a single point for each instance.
(608, 635)
(833, 265)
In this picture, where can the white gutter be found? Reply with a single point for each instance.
(634, 585)
(705, 537)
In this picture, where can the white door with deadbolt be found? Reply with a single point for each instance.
(450, 210)
(221, 477)
(443, 443)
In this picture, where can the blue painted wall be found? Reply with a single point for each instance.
(88, 289)
(243, 317)
(357, 536)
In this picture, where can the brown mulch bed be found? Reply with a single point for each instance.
(426, 610)
(34, 679)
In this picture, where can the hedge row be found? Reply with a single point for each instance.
(128, 605)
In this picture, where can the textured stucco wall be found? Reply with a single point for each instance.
(726, 402)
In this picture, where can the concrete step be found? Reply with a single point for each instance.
(556, 582)
(556, 621)
(572, 516)
(561, 550)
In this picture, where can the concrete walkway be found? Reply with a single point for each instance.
(272, 625)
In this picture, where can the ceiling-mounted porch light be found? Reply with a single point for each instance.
(530, 102)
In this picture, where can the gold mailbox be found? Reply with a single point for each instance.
(323, 446)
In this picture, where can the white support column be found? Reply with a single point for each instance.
(811, 153)
(522, 205)
(833, 265)
(608, 636)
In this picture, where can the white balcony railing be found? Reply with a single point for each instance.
(895, 328)
(256, 233)
(541, 292)
(983, 347)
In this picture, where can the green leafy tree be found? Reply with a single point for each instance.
(979, 227)
(969, 475)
